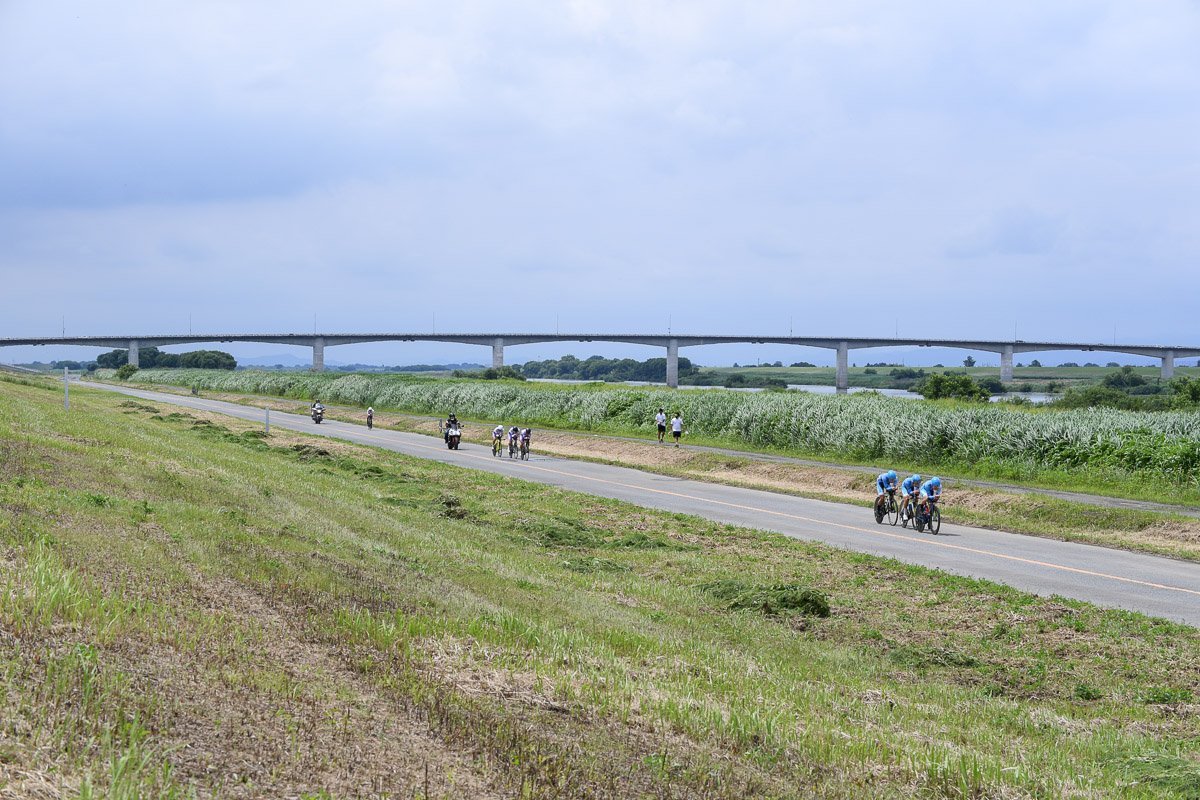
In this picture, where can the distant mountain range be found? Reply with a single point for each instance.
(286, 359)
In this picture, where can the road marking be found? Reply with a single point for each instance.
(919, 540)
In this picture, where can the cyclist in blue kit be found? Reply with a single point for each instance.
(883, 483)
(908, 492)
(930, 490)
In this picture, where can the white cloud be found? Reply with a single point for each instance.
(618, 161)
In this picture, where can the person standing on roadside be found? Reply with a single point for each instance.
(677, 427)
(661, 419)
(370, 417)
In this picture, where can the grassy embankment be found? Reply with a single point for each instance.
(189, 606)
(1151, 456)
(196, 607)
(1147, 531)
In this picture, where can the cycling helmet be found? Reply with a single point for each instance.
(891, 474)
(916, 478)
(936, 481)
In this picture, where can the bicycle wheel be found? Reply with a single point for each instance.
(935, 520)
(893, 511)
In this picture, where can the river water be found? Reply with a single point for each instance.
(1033, 397)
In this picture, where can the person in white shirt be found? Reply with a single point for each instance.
(677, 427)
(370, 417)
(661, 419)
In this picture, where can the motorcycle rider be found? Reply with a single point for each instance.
(451, 422)
(370, 417)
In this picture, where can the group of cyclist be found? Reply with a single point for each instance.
(518, 438)
(913, 493)
(916, 496)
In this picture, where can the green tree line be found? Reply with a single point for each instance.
(596, 368)
(150, 357)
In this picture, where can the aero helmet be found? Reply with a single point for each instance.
(916, 478)
(892, 474)
(937, 481)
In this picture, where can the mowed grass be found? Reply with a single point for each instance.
(1137, 455)
(188, 606)
(1148, 531)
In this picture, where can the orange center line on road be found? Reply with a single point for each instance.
(874, 531)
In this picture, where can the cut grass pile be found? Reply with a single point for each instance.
(188, 609)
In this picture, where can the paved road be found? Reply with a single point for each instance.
(1153, 585)
(1102, 501)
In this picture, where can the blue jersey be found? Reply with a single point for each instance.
(883, 483)
(910, 485)
(929, 490)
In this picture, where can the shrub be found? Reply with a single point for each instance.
(1124, 378)
(991, 385)
(959, 387)
(1187, 392)
(207, 359)
(126, 371)
(490, 374)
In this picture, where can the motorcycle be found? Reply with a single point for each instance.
(453, 437)
(318, 414)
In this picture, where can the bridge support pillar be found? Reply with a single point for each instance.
(673, 363)
(1006, 364)
(498, 352)
(133, 352)
(842, 379)
(318, 354)
(1168, 365)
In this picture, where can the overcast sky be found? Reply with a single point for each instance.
(940, 169)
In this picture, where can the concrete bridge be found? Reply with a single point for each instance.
(498, 341)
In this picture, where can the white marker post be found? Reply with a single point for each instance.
(268, 419)
(66, 390)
